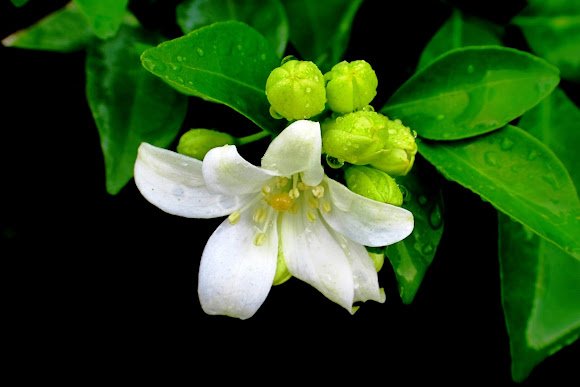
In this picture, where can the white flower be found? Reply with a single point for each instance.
(287, 207)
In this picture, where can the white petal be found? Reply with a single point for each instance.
(174, 183)
(297, 149)
(313, 255)
(366, 281)
(363, 220)
(235, 275)
(225, 171)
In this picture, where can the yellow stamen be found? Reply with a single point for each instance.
(235, 217)
(260, 215)
(326, 207)
(302, 186)
(294, 193)
(281, 182)
(311, 216)
(313, 203)
(260, 239)
(318, 191)
(294, 209)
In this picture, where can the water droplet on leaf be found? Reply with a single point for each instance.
(435, 217)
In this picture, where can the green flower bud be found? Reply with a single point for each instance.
(296, 90)
(373, 184)
(356, 138)
(197, 142)
(399, 154)
(351, 86)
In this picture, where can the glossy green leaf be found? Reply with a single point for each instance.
(540, 291)
(129, 105)
(19, 3)
(470, 91)
(320, 30)
(64, 30)
(555, 122)
(268, 17)
(552, 29)
(520, 176)
(105, 16)
(226, 62)
(412, 256)
(459, 31)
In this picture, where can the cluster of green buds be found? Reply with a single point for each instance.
(372, 148)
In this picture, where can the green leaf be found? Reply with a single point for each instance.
(517, 174)
(540, 290)
(226, 62)
(552, 29)
(412, 256)
(459, 31)
(19, 3)
(471, 91)
(268, 17)
(320, 30)
(128, 104)
(65, 30)
(105, 16)
(555, 122)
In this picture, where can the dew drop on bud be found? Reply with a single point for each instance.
(333, 162)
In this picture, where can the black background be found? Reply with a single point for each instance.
(103, 287)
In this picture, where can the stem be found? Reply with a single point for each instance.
(251, 138)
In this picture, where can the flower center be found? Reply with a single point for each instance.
(282, 194)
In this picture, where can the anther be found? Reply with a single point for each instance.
(318, 191)
(235, 217)
(294, 209)
(302, 186)
(281, 182)
(260, 239)
(294, 193)
(326, 207)
(266, 190)
(260, 215)
(311, 216)
(313, 203)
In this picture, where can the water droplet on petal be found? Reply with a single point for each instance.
(532, 155)
(199, 51)
(422, 200)
(427, 249)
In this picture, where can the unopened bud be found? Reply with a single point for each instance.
(296, 90)
(373, 184)
(398, 156)
(350, 86)
(197, 142)
(356, 138)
